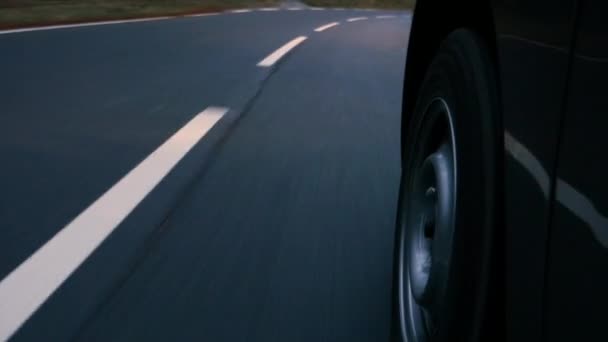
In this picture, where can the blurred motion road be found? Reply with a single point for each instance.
(277, 225)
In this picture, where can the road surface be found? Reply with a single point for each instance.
(127, 215)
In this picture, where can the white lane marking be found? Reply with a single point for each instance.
(31, 283)
(385, 16)
(201, 15)
(325, 27)
(55, 27)
(356, 19)
(317, 9)
(339, 9)
(280, 52)
(243, 10)
(268, 9)
(294, 8)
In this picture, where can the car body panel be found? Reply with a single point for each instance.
(533, 43)
(576, 297)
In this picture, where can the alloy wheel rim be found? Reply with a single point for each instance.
(427, 223)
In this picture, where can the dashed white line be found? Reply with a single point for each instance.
(240, 11)
(31, 283)
(339, 9)
(356, 19)
(294, 8)
(280, 52)
(385, 16)
(317, 9)
(325, 27)
(268, 9)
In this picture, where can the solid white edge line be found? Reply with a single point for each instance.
(356, 19)
(200, 15)
(327, 26)
(27, 287)
(280, 52)
(96, 23)
(243, 10)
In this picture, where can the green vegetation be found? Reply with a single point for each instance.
(399, 4)
(14, 13)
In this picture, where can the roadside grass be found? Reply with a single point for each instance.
(20, 13)
(391, 4)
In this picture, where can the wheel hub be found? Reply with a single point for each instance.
(431, 226)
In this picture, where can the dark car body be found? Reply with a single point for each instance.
(551, 58)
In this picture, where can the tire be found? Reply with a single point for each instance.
(449, 199)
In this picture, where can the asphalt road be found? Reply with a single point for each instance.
(277, 225)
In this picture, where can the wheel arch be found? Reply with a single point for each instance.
(433, 20)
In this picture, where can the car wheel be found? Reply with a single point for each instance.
(448, 200)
